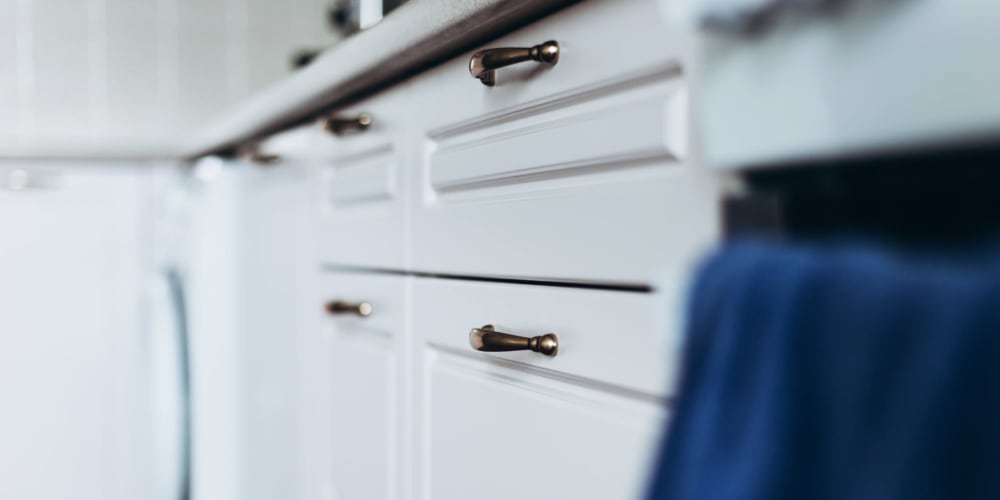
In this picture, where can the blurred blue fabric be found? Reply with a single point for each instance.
(837, 373)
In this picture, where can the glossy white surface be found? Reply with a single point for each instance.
(870, 77)
(73, 342)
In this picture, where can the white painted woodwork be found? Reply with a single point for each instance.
(73, 350)
(496, 434)
(362, 180)
(617, 340)
(215, 278)
(582, 424)
(872, 77)
(578, 174)
(602, 45)
(557, 195)
(551, 173)
(277, 259)
(364, 380)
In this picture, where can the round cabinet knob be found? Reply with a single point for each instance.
(487, 339)
(485, 63)
(343, 308)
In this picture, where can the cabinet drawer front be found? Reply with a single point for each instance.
(360, 179)
(620, 341)
(367, 178)
(597, 190)
(495, 436)
(601, 43)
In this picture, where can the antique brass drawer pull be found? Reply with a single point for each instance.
(338, 125)
(340, 307)
(487, 339)
(485, 63)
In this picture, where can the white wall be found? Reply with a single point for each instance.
(131, 75)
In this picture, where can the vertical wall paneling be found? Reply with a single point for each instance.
(70, 355)
(8, 75)
(24, 68)
(131, 93)
(237, 57)
(167, 69)
(62, 68)
(139, 73)
(203, 75)
(97, 67)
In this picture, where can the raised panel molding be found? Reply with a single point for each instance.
(606, 129)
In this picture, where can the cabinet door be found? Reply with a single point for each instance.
(361, 174)
(73, 399)
(363, 384)
(506, 425)
(498, 434)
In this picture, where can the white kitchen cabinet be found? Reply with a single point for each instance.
(553, 173)
(565, 199)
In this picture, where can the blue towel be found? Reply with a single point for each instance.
(845, 373)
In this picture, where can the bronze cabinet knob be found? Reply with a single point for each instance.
(343, 308)
(484, 63)
(487, 339)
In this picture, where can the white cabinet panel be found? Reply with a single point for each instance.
(364, 383)
(625, 340)
(72, 365)
(362, 175)
(601, 43)
(596, 189)
(497, 434)
(499, 425)
(278, 263)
